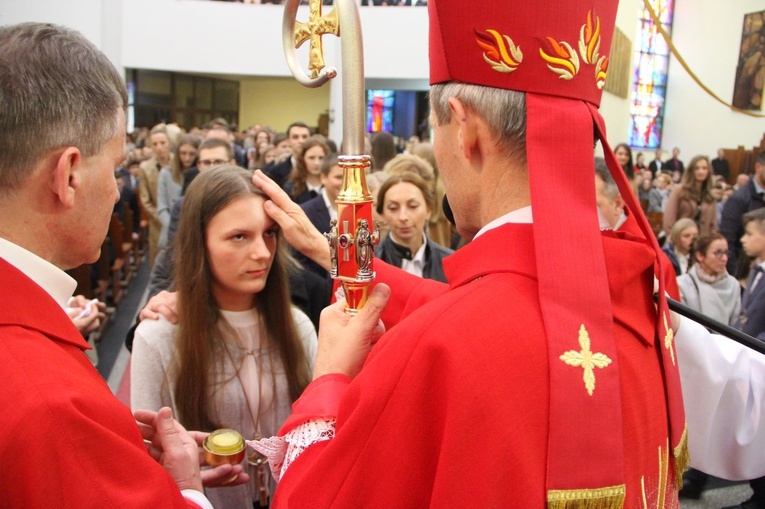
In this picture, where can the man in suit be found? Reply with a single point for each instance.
(322, 209)
(219, 128)
(749, 197)
(675, 165)
(297, 133)
(720, 165)
(149, 178)
(657, 165)
(752, 317)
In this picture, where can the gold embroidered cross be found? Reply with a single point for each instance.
(317, 26)
(586, 359)
(670, 335)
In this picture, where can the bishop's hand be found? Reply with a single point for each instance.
(344, 340)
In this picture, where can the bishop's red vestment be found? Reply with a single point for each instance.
(453, 404)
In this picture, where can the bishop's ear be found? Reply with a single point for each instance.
(66, 176)
(466, 123)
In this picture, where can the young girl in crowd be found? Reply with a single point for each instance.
(305, 180)
(171, 180)
(693, 198)
(681, 239)
(240, 353)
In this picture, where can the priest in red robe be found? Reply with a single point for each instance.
(65, 440)
(542, 375)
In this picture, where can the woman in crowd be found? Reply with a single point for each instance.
(240, 353)
(171, 180)
(693, 198)
(304, 182)
(623, 154)
(707, 287)
(405, 201)
(681, 239)
(440, 230)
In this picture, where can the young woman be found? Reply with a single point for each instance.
(240, 353)
(623, 154)
(681, 239)
(693, 198)
(171, 180)
(305, 180)
(405, 201)
(707, 287)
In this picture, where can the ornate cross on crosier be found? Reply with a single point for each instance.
(586, 359)
(312, 31)
(354, 267)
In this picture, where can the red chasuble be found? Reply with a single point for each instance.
(453, 405)
(65, 440)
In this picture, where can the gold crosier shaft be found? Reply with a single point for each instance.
(353, 235)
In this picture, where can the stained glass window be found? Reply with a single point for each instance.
(649, 83)
(380, 110)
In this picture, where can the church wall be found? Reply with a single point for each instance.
(276, 102)
(707, 33)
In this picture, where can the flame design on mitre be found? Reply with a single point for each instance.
(500, 52)
(564, 62)
(589, 39)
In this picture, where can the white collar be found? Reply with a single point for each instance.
(312, 187)
(328, 203)
(519, 216)
(50, 278)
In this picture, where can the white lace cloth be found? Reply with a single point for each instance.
(281, 452)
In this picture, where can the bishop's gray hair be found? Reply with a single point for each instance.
(504, 111)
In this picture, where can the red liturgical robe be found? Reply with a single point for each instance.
(452, 406)
(65, 440)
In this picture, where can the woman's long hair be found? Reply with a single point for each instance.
(198, 342)
(185, 139)
(629, 168)
(299, 175)
(691, 189)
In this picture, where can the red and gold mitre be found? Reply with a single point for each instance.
(552, 48)
(558, 54)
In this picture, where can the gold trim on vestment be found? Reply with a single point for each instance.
(682, 457)
(611, 497)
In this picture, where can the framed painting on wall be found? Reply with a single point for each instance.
(750, 72)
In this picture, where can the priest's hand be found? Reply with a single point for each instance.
(297, 228)
(164, 303)
(172, 446)
(344, 340)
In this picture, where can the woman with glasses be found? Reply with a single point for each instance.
(707, 287)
